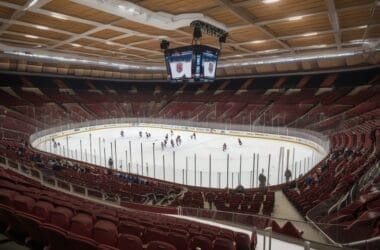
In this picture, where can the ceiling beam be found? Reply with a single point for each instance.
(249, 18)
(334, 21)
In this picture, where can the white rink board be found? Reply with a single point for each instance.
(208, 142)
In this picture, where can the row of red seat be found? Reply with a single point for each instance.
(29, 209)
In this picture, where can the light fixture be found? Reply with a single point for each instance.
(362, 27)
(31, 4)
(257, 41)
(76, 45)
(295, 18)
(270, 1)
(122, 7)
(41, 27)
(267, 51)
(58, 16)
(310, 34)
(31, 36)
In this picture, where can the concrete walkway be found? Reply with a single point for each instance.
(284, 209)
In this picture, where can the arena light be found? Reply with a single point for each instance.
(257, 41)
(76, 45)
(270, 1)
(295, 18)
(60, 58)
(58, 16)
(31, 4)
(40, 27)
(310, 34)
(31, 36)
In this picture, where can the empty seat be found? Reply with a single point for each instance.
(154, 234)
(23, 203)
(200, 242)
(78, 242)
(290, 230)
(105, 232)
(55, 236)
(223, 244)
(32, 226)
(42, 210)
(81, 224)
(180, 241)
(131, 228)
(129, 242)
(6, 196)
(243, 241)
(60, 216)
(159, 245)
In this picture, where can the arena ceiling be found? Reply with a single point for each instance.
(121, 39)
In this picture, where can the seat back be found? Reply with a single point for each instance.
(105, 232)
(128, 242)
(159, 245)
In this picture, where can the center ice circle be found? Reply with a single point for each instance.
(190, 160)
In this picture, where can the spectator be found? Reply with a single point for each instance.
(262, 179)
(288, 175)
(309, 180)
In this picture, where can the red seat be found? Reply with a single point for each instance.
(200, 242)
(42, 210)
(23, 203)
(129, 242)
(243, 241)
(180, 241)
(78, 242)
(223, 244)
(55, 236)
(81, 224)
(130, 228)
(105, 232)
(32, 224)
(6, 196)
(60, 216)
(159, 245)
(154, 234)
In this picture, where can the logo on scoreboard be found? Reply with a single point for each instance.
(179, 67)
(210, 67)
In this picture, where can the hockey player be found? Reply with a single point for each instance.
(239, 141)
(172, 142)
(140, 133)
(194, 136)
(224, 147)
(122, 133)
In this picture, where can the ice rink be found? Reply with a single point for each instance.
(191, 161)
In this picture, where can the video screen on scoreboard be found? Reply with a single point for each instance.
(209, 61)
(180, 64)
(194, 63)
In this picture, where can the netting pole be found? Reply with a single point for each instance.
(80, 145)
(195, 169)
(279, 166)
(154, 161)
(67, 145)
(257, 169)
(100, 152)
(126, 161)
(90, 147)
(115, 154)
(282, 164)
(142, 159)
(209, 170)
(163, 166)
(228, 166)
(268, 169)
(130, 156)
(105, 158)
(253, 170)
(186, 168)
(239, 180)
(294, 152)
(173, 166)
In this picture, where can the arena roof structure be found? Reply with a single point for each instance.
(121, 39)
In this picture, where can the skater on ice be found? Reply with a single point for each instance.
(140, 133)
(172, 142)
(239, 141)
(122, 133)
(224, 147)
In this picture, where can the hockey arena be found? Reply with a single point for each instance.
(189, 124)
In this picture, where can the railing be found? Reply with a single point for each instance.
(310, 135)
(245, 221)
(200, 173)
(263, 226)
